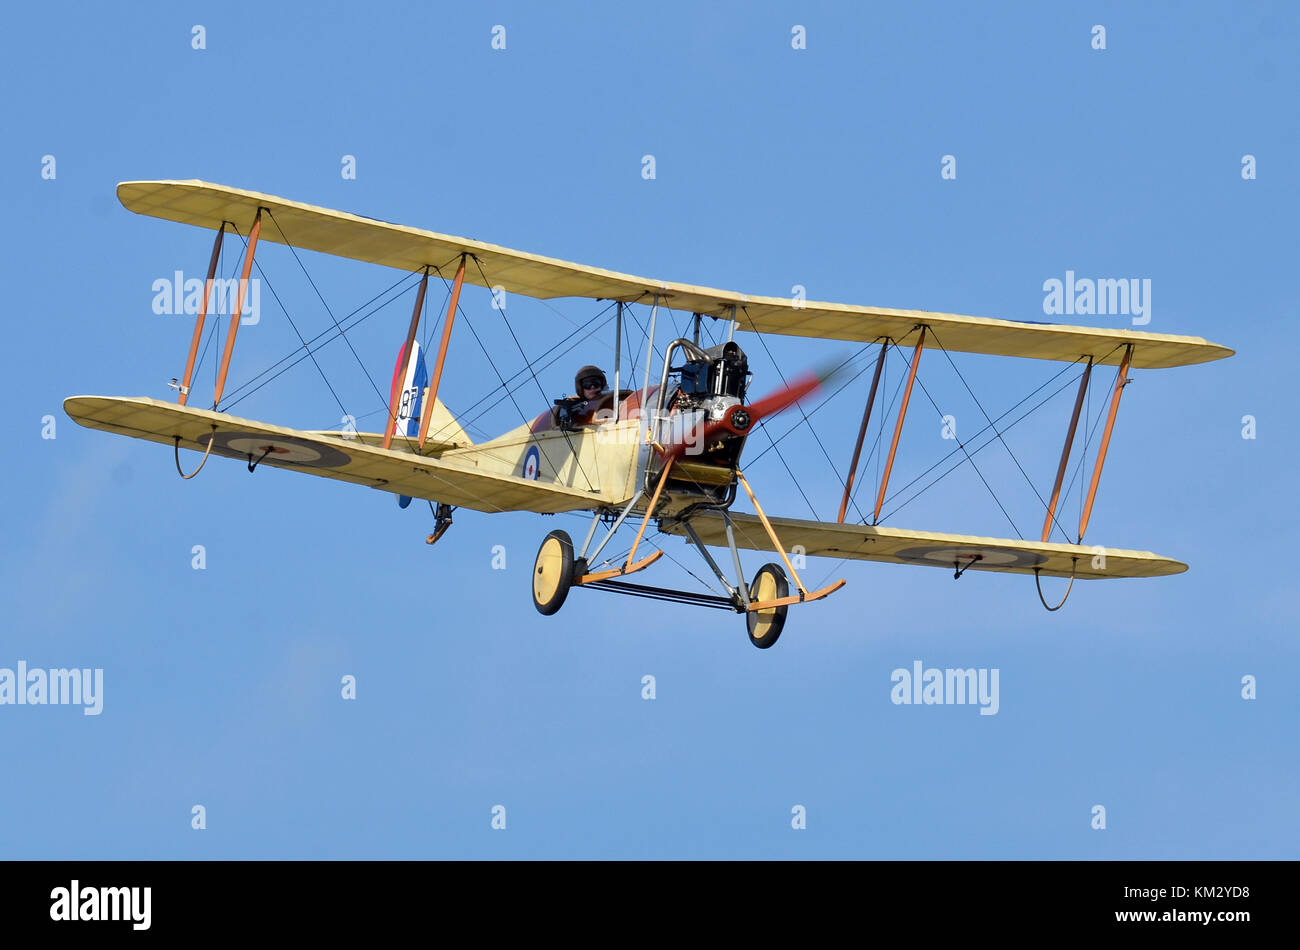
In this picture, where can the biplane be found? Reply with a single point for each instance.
(667, 451)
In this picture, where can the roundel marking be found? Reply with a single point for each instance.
(277, 449)
(532, 463)
(941, 556)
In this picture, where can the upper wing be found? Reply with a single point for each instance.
(330, 456)
(411, 249)
(952, 551)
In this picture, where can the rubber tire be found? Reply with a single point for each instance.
(552, 579)
(764, 631)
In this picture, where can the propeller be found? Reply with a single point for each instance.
(741, 419)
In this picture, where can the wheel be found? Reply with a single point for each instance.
(765, 625)
(552, 572)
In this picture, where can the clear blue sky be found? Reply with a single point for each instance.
(775, 167)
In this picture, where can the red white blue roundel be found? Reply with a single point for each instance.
(532, 463)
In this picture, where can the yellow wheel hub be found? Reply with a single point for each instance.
(765, 589)
(549, 568)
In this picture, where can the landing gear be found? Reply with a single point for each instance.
(441, 522)
(553, 572)
(765, 624)
(764, 604)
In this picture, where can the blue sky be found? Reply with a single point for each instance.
(774, 167)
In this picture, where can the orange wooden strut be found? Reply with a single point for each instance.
(623, 571)
(239, 306)
(405, 357)
(632, 566)
(1065, 452)
(800, 598)
(654, 500)
(776, 542)
(804, 596)
(898, 427)
(203, 314)
(1120, 382)
(862, 432)
(426, 408)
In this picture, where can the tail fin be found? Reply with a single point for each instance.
(410, 394)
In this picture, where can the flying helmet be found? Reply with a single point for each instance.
(589, 372)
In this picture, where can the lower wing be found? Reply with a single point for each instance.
(394, 470)
(953, 551)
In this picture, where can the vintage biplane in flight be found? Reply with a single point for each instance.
(666, 452)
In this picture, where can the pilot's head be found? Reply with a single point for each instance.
(589, 382)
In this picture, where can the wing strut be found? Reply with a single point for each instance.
(1121, 380)
(1065, 452)
(239, 308)
(618, 356)
(862, 431)
(898, 426)
(184, 386)
(396, 396)
(648, 424)
(426, 415)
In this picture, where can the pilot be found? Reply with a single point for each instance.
(590, 384)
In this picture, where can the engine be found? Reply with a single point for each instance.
(710, 388)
